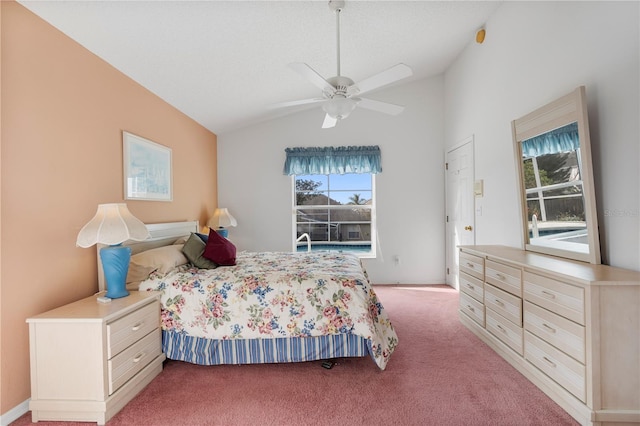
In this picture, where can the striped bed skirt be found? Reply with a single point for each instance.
(197, 350)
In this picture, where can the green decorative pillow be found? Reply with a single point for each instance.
(193, 249)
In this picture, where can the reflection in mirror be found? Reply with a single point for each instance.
(553, 188)
(556, 180)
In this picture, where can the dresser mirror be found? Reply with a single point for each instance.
(556, 192)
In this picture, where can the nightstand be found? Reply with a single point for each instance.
(89, 359)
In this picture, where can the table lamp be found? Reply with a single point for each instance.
(220, 219)
(112, 225)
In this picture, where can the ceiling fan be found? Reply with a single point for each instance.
(339, 93)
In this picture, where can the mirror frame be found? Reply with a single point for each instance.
(568, 109)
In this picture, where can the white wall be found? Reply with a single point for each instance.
(535, 52)
(410, 189)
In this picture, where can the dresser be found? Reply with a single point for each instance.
(571, 328)
(89, 359)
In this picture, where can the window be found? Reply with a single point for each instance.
(336, 211)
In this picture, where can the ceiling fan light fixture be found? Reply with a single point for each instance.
(339, 107)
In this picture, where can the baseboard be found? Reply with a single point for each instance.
(14, 414)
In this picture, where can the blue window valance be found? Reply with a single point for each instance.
(563, 139)
(332, 160)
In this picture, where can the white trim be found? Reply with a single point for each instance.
(451, 251)
(15, 413)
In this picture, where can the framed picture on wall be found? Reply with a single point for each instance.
(147, 169)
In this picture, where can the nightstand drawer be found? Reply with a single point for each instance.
(558, 297)
(505, 330)
(507, 305)
(565, 335)
(566, 371)
(472, 265)
(128, 363)
(472, 286)
(505, 277)
(472, 308)
(130, 328)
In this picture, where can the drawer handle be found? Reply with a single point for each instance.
(548, 327)
(470, 265)
(469, 286)
(138, 357)
(469, 307)
(501, 277)
(501, 328)
(551, 363)
(137, 327)
(498, 302)
(548, 294)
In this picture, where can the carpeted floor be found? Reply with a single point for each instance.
(440, 374)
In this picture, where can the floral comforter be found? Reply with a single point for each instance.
(276, 294)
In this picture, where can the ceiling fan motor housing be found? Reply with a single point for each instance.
(341, 85)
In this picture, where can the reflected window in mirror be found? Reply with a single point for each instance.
(553, 187)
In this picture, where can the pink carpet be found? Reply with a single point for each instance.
(441, 374)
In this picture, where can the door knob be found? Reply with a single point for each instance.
(468, 228)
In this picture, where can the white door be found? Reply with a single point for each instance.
(460, 210)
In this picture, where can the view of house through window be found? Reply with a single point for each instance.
(336, 212)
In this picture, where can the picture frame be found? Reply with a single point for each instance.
(147, 169)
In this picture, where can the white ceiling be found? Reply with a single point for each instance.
(223, 62)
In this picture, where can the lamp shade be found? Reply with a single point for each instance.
(221, 218)
(112, 224)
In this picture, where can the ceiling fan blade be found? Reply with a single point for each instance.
(391, 75)
(295, 103)
(310, 74)
(379, 106)
(329, 122)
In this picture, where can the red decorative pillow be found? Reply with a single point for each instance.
(220, 250)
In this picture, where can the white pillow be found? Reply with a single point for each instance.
(161, 259)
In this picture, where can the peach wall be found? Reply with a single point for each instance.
(63, 113)
(1, 334)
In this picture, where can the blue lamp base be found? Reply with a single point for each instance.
(115, 264)
(223, 232)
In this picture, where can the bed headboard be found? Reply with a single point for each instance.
(162, 234)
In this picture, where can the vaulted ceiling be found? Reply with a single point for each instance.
(223, 63)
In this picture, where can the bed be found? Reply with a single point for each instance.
(269, 307)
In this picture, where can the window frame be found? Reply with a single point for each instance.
(372, 254)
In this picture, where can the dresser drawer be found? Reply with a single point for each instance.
(505, 277)
(472, 264)
(130, 328)
(128, 363)
(509, 333)
(472, 308)
(472, 286)
(507, 305)
(559, 297)
(565, 335)
(563, 369)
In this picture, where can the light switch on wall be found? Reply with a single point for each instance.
(478, 188)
